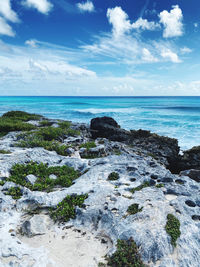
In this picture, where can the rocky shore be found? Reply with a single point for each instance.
(95, 195)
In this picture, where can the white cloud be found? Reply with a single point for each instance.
(147, 56)
(144, 24)
(7, 12)
(186, 50)
(122, 25)
(5, 28)
(31, 43)
(86, 6)
(172, 22)
(43, 6)
(119, 20)
(196, 25)
(172, 56)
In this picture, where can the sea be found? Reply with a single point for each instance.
(177, 117)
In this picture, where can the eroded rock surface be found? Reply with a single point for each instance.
(104, 218)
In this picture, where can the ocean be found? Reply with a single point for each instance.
(177, 117)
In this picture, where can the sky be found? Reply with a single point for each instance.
(100, 47)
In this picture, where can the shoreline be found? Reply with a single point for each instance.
(110, 184)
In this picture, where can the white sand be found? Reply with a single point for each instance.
(70, 248)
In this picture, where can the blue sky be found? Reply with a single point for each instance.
(112, 47)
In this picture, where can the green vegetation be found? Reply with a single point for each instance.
(65, 176)
(117, 152)
(21, 116)
(9, 125)
(64, 124)
(113, 176)
(16, 121)
(172, 227)
(140, 187)
(66, 209)
(15, 192)
(2, 182)
(126, 255)
(88, 145)
(2, 151)
(49, 138)
(160, 185)
(45, 123)
(34, 141)
(134, 208)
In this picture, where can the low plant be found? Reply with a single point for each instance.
(65, 176)
(10, 125)
(35, 141)
(160, 185)
(2, 182)
(15, 192)
(88, 145)
(113, 176)
(134, 208)
(45, 123)
(172, 227)
(2, 151)
(21, 115)
(126, 255)
(66, 209)
(140, 187)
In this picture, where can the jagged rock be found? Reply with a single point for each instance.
(107, 127)
(31, 179)
(164, 149)
(190, 159)
(37, 225)
(193, 174)
(70, 151)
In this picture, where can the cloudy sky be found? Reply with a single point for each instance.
(100, 47)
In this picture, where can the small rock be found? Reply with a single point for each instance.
(70, 151)
(37, 225)
(53, 176)
(31, 178)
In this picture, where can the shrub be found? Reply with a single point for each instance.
(66, 209)
(134, 208)
(8, 125)
(140, 187)
(88, 145)
(113, 176)
(65, 176)
(35, 141)
(64, 124)
(126, 255)
(160, 185)
(21, 115)
(15, 192)
(2, 151)
(172, 227)
(45, 123)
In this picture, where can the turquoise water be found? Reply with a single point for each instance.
(177, 117)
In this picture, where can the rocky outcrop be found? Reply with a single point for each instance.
(29, 237)
(164, 149)
(190, 159)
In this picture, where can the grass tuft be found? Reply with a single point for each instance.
(140, 187)
(134, 208)
(126, 255)
(172, 227)
(65, 176)
(66, 209)
(113, 176)
(15, 192)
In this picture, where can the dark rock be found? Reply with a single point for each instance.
(193, 174)
(164, 149)
(190, 159)
(167, 180)
(190, 203)
(107, 127)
